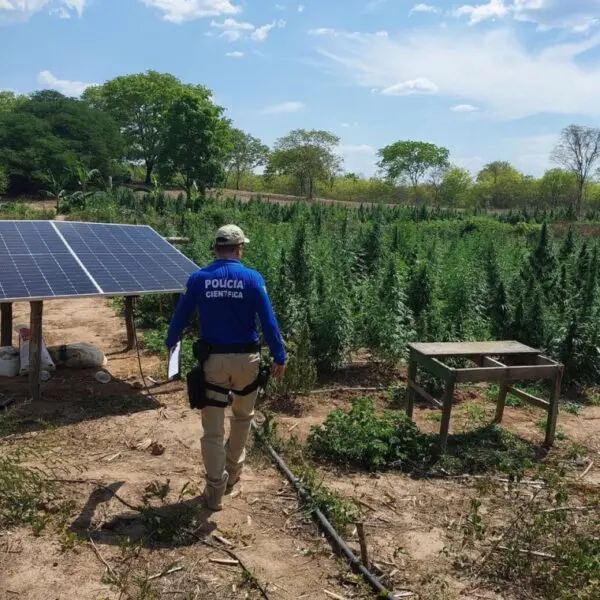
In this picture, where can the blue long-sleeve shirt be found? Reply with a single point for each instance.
(228, 296)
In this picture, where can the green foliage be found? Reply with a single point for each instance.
(25, 495)
(362, 438)
(306, 155)
(412, 160)
(245, 154)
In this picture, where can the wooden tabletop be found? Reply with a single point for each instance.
(498, 348)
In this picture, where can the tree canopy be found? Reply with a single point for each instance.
(308, 156)
(140, 105)
(412, 160)
(245, 154)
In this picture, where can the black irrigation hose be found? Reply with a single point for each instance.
(355, 563)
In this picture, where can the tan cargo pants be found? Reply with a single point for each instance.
(224, 462)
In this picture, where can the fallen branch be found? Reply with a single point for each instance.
(343, 389)
(334, 596)
(587, 469)
(529, 552)
(230, 562)
(101, 559)
(234, 556)
(163, 573)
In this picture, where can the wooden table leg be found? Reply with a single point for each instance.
(553, 410)
(446, 411)
(410, 393)
(501, 402)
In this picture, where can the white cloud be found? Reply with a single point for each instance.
(301, 8)
(22, 10)
(464, 108)
(420, 85)
(423, 8)
(491, 69)
(235, 54)
(279, 7)
(578, 16)
(260, 34)
(178, 11)
(348, 125)
(232, 29)
(285, 107)
(69, 88)
(322, 31)
(482, 12)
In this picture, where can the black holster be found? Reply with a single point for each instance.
(197, 384)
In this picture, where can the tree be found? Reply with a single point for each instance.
(140, 104)
(306, 155)
(193, 143)
(456, 182)
(578, 150)
(50, 133)
(10, 100)
(558, 187)
(411, 159)
(498, 185)
(246, 154)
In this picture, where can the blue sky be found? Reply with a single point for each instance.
(489, 79)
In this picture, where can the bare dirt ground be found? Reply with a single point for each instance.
(87, 432)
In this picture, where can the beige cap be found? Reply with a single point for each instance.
(230, 235)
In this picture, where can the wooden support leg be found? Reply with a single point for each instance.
(6, 320)
(410, 393)
(501, 402)
(553, 410)
(35, 349)
(129, 322)
(446, 411)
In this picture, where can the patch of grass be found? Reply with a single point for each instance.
(26, 496)
(571, 408)
(560, 432)
(566, 540)
(434, 416)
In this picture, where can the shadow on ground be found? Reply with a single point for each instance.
(183, 523)
(69, 397)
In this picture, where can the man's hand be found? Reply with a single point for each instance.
(277, 371)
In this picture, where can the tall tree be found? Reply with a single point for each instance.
(140, 104)
(498, 185)
(455, 184)
(246, 153)
(558, 187)
(194, 143)
(308, 156)
(52, 134)
(578, 150)
(411, 159)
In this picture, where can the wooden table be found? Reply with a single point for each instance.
(504, 362)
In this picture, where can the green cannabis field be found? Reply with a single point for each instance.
(344, 279)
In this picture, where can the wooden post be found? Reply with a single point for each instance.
(553, 410)
(6, 323)
(446, 411)
(35, 349)
(364, 554)
(410, 393)
(129, 322)
(501, 402)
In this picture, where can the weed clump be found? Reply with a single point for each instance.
(362, 438)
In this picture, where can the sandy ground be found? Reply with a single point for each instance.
(87, 431)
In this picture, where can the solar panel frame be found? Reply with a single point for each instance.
(67, 250)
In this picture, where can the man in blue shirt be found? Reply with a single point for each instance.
(228, 297)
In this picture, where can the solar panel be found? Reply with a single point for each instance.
(59, 259)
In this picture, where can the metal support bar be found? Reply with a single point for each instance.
(6, 323)
(35, 349)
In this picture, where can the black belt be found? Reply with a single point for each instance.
(245, 348)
